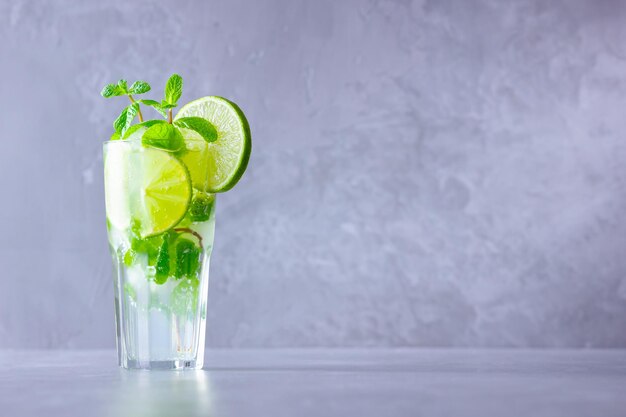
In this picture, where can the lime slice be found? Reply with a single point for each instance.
(217, 166)
(165, 190)
(146, 188)
(196, 158)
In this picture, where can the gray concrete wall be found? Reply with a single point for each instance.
(424, 173)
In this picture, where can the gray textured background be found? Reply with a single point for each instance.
(423, 173)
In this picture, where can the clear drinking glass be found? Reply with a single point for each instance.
(160, 231)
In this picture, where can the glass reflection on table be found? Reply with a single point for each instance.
(162, 393)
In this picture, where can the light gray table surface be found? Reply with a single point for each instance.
(302, 383)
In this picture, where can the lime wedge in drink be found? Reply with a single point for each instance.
(165, 189)
(217, 166)
(147, 187)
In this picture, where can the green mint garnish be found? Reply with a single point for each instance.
(112, 90)
(121, 89)
(139, 87)
(202, 126)
(125, 119)
(162, 263)
(138, 126)
(173, 90)
(200, 207)
(187, 258)
(155, 105)
(150, 246)
(167, 138)
(163, 136)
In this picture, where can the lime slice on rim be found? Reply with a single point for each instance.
(145, 186)
(220, 164)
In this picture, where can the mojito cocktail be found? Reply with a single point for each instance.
(161, 181)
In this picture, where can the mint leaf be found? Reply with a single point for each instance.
(165, 105)
(111, 90)
(125, 119)
(201, 207)
(138, 126)
(121, 89)
(149, 246)
(151, 123)
(139, 87)
(174, 89)
(187, 258)
(115, 136)
(120, 122)
(200, 125)
(163, 136)
(133, 108)
(123, 85)
(162, 266)
(155, 105)
(131, 112)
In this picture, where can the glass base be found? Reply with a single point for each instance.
(178, 365)
(160, 326)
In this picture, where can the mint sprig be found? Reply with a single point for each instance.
(174, 89)
(173, 92)
(112, 90)
(121, 89)
(160, 134)
(125, 119)
(139, 87)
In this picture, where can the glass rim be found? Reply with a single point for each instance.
(106, 142)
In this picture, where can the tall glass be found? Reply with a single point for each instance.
(161, 244)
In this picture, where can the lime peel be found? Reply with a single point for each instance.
(224, 160)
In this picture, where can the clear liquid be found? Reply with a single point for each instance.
(150, 330)
(160, 325)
